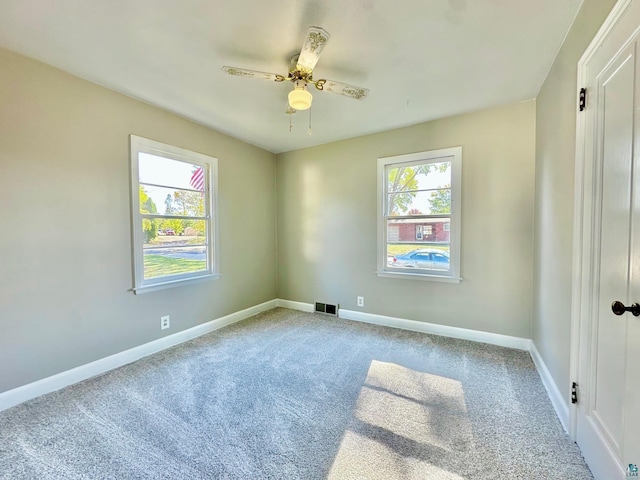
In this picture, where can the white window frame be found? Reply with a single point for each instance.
(210, 166)
(453, 155)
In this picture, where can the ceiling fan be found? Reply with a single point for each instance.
(301, 74)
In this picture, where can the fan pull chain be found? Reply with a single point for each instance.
(290, 123)
(309, 131)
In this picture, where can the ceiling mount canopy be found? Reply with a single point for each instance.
(301, 74)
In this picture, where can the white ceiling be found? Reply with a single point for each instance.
(421, 59)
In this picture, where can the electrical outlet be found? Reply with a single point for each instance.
(165, 322)
(361, 301)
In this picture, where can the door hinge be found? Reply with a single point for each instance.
(582, 103)
(574, 393)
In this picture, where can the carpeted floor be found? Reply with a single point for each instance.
(291, 395)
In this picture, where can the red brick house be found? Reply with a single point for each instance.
(420, 230)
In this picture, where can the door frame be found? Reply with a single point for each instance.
(586, 219)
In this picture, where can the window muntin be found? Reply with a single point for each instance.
(173, 193)
(419, 199)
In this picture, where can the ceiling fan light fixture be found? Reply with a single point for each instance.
(300, 74)
(299, 97)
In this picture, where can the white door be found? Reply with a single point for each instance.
(608, 415)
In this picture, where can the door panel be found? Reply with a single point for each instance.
(631, 451)
(616, 113)
(607, 418)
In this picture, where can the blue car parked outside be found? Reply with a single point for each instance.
(424, 258)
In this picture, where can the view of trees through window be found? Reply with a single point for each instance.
(172, 207)
(418, 209)
(419, 189)
(180, 203)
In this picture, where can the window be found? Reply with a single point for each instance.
(173, 211)
(419, 203)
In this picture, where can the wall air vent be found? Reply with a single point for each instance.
(327, 309)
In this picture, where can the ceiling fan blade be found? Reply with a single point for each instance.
(342, 89)
(241, 72)
(314, 42)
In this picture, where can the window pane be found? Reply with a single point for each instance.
(171, 201)
(172, 182)
(420, 200)
(161, 262)
(419, 231)
(429, 176)
(418, 256)
(171, 232)
(431, 202)
(171, 173)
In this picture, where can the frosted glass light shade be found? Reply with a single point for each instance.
(300, 98)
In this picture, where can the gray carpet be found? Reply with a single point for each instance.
(291, 395)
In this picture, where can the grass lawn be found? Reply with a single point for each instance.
(159, 265)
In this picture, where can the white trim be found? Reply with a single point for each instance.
(584, 184)
(603, 462)
(605, 29)
(303, 307)
(559, 403)
(518, 343)
(175, 283)
(419, 276)
(140, 145)
(435, 329)
(18, 395)
(454, 156)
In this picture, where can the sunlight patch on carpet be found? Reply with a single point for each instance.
(406, 424)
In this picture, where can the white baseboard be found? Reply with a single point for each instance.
(56, 382)
(443, 330)
(21, 394)
(303, 307)
(422, 327)
(557, 399)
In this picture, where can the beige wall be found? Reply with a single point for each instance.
(65, 248)
(327, 223)
(555, 157)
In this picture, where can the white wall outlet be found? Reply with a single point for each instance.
(361, 301)
(165, 322)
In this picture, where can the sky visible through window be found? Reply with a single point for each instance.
(435, 179)
(158, 170)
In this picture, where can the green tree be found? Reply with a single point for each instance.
(188, 203)
(441, 201)
(168, 205)
(401, 181)
(149, 226)
(174, 224)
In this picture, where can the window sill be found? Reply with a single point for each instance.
(174, 283)
(419, 276)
